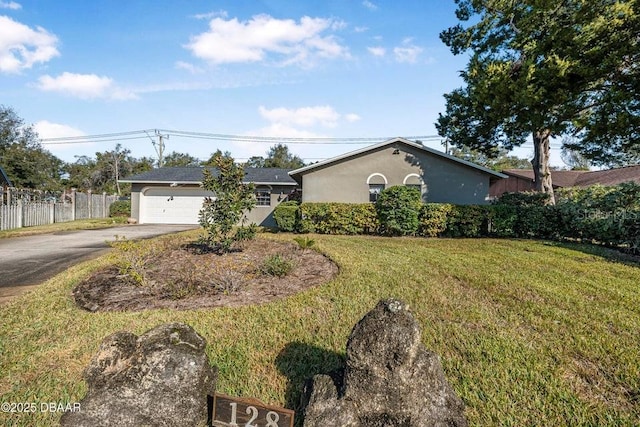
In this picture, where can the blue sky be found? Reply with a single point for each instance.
(336, 68)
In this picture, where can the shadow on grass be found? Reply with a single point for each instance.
(607, 253)
(299, 362)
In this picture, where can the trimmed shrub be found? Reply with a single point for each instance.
(523, 215)
(433, 219)
(120, 208)
(337, 218)
(286, 215)
(398, 210)
(467, 221)
(276, 265)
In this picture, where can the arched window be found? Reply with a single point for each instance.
(377, 182)
(414, 180)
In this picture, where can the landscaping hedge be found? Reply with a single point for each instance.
(120, 208)
(604, 215)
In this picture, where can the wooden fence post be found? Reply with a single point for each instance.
(73, 204)
(90, 202)
(20, 213)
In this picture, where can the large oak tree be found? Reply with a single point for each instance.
(544, 68)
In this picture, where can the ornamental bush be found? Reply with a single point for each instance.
(120, 208)
(398, 210)
(467, 221)
(286, 215)
(433, 219)
(337, 218)
(222, 216)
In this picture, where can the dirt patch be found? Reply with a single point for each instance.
(183, 278)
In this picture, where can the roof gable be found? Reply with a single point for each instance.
(4, 179)
(415, 145)
(193, 175)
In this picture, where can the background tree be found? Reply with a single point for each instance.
(100, 174)
(572, 158)
(27, 164)
(498, 160)
(213, 159)
(175, 159)
(539, 69)
(279, 156)
(255, 162)
(220, 215)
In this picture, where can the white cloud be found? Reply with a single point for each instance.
(47, 129)
(299, 43)
(10, 5)
(21, 47)
(361, 29)
(305, 116)
(352, 117)
(377, 51)
(84, 86)
(210, 15)
(369, 5)
(181, 65)
(407, 52)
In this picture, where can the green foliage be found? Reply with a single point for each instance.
(497, 159)
(398, 209)
(433, 219)
(338, 218)
(305, 242)
(133, 257)
(276, 265)
(607, 215)
(467, 221)
(546, 68)
(220, 215)
(286, 216)
(120, 208)
(175, 159)
(22, 157)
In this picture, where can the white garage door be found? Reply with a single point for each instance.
(177, 205)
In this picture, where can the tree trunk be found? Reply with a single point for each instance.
(540, 162)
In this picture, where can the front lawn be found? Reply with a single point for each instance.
(530, 333)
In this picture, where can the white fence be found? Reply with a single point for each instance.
(74, 205)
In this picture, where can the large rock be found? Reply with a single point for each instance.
(390, 379)
(161, 378)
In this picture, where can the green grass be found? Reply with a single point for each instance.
(83, 224)
(530, 333)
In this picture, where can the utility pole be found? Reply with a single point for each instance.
(159, 146)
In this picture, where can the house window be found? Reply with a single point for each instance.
(374, 192)
(263, 197)
(414, 180)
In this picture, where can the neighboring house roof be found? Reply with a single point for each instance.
(193, 175)
(584, 178)
(559, 178)
(4, 179)
(404, 141)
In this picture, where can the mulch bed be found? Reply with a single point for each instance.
(184, 278)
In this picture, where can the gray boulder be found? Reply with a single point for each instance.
(161, 378)
(390, 379)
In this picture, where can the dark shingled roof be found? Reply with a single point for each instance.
(585, 178)
(193, 175)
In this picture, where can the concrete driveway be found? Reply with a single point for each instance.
(28, 261)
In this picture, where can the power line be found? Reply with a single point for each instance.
(123, 136)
